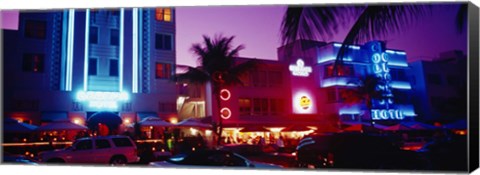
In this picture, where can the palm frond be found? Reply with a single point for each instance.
(315, 22)
(193, 75)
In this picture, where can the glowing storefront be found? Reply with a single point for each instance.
(73, 63)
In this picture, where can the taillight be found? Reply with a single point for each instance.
(330, 159)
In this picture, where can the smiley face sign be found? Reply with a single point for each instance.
(305, 102)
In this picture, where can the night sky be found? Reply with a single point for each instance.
(258, 28)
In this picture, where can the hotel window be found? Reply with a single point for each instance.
(163, 14)
(245, 105)
(92, 66)
(331, 95)
(276, 106)
(163, 71)
(398, 74)
(113, 71)
(93, 38)
(35, 29)
(259, 78)
(434, 79)
(342, 71)
(114, 37)
(32, 63)
(260, 106)
(275, 78)
(163, 41)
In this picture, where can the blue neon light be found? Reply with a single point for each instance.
(400, 85)
(102, 100)
(121, 51)
(86, 56)
(336, 82)
(327, 59)
(351, 46)
(390, 51)
(387, 114)
(135, 51)
(71, 22)
(401, 53)
(398, 64)
(349, 111)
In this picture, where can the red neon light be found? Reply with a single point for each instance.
(225, 113)
(225, 94)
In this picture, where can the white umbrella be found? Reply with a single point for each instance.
(154, 121)
(193, 123)
(61, 125)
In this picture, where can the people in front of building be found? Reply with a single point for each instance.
(280, 144)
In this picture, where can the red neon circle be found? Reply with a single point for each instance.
(225, 94)
(225, 113)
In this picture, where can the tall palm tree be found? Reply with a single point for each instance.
(374, 21)
(218, 67)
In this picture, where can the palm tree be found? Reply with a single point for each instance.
(218, 68)
(371, 22)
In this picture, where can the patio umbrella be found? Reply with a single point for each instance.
(398, 127)
(254, 129)
(13, 126)
(419, 125)
(61, 125)
(155, 121)
(296, 128)
(193, 123)
(365, 127)
(460, 124)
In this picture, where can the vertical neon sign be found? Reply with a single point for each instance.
(380, 69)
(86, 56)
(71, 22)
(135, 50)
(120, 83)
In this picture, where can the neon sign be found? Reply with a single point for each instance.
(225, 94)
(299, 69)
(225, 113)
(103, 100)
(385, 114)
(303, 103)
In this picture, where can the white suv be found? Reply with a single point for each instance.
(114, 150)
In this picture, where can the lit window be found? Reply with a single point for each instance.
(93, 35)
(92, 66)
(33, 63)
(163, 41)
(163, 71)
(245, 105)
(35, 29)
(342, 71)
(163, 14)
(114, 37)
(113, 67)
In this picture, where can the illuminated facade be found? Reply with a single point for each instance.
(301, 89)
(74, 63)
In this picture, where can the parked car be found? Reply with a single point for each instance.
(115, 150)
(354, 151)
(449, 154)
(265, 154)
(17, 159)
(211, 158)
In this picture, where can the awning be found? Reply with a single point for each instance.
(191, 122)
(254, 129)
(143, 115)
(62, 125)
(13, 126)
(54, 116)
(296, 128)
(154, 121)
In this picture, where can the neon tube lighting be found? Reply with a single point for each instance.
(71, 21)
(135, 50)
(121, 50)
(399, 64)
(400, 85)
(86, 56)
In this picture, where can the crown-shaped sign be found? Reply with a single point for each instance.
(300, 69)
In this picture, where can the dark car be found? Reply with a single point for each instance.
(354, 151)
(210, 158)
(446, 154)
(266, 154)
(17, 159)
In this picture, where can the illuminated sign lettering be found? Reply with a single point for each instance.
(386, 114)
(103, 100)
(299, 69)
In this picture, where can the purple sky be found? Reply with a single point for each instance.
(258, 28)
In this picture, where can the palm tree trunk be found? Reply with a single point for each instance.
(220, 119)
